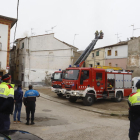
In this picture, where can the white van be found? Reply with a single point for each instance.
(134, 81)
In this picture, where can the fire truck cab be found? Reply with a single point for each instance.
(57, 83)
(90, 84)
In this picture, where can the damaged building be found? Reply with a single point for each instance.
(37, 57)
(133, 60)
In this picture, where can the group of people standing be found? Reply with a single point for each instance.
(11, 99)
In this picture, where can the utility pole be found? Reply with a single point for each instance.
(74, 38)
(32, 32)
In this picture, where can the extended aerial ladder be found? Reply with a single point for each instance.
(88, 50)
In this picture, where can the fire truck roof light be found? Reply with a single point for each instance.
(69, 65)
(59, 69)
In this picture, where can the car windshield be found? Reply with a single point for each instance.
(57, 76)
(71, 74)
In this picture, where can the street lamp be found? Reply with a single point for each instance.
(74, 38)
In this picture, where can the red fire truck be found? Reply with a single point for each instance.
(57, 83)
(90, 84)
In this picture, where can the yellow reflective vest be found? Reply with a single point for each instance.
(6, 98)
(6, 90)
(134, 98)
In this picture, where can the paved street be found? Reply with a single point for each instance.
(56, 121)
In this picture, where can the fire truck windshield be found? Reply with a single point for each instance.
(57, 76)
(71, 74)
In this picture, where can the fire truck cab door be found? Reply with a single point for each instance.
(84, 79)
(99, 81)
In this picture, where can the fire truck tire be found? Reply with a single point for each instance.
(119, 97)
(60, 94)
(72, 99)
(89, 99)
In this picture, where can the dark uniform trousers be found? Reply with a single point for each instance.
(4, 122)
(30, 108)
(134, 129)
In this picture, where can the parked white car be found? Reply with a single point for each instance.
(134, 81)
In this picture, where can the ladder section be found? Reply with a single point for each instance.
(88, 50)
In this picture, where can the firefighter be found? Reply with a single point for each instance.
(6, 102)
(96, 34)
(29, 102)
(134, 113)
(101, 34)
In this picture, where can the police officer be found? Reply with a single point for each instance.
(6, 102)
(134, 113)
(29, 102)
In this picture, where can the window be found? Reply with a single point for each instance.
(85, 74)
(22, 77)
(116, 65)
(110, 64)
(92, 55)
(98, 63)
(97, 53)
(98, 76)
(116, 53)
(57, 76)
(109, 52)
(22, 45)
(90, 65)
(0, 46)
(71, 74)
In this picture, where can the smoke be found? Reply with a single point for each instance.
(25, 34)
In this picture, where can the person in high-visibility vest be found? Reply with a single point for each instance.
(96, 34)
(101, 34)
(134, 113)
(6, 102)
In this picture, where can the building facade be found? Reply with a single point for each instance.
(96, 58)
(39, 56)
(133, 60)
(6, 24)
(116, 55)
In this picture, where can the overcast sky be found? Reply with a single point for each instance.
(82, 17)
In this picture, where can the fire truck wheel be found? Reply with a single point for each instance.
(60, 94)
(89, 99)
(72, 99)
(119, 97)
